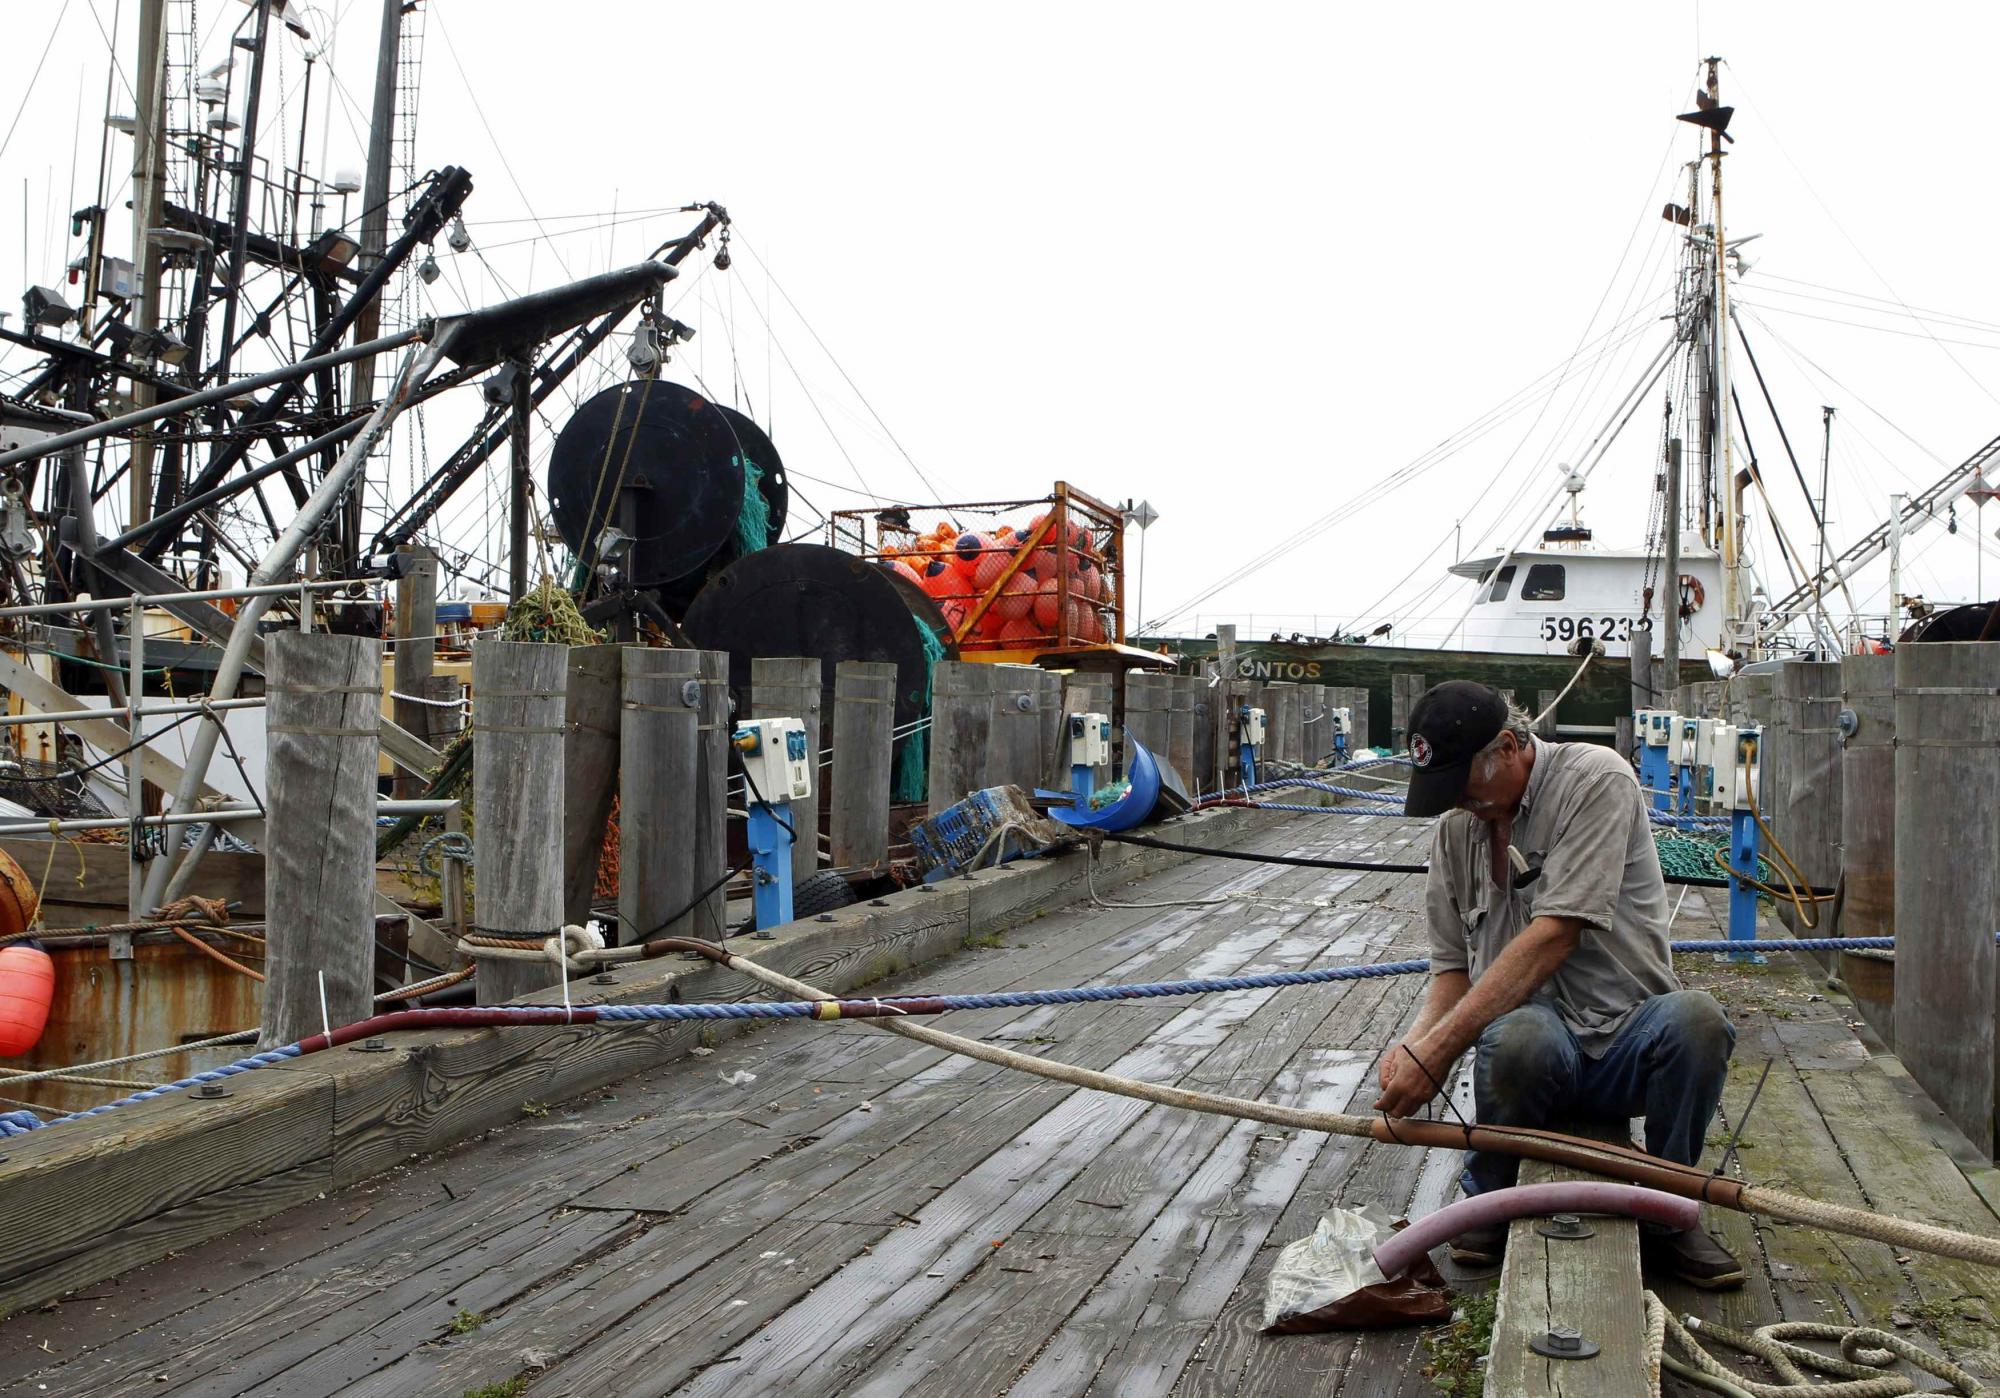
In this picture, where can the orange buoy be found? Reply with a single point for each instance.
(1018, 633)
(1016, 599)
(988, 569)
(27, 987)
(1046, 604)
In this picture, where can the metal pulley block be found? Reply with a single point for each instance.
(17, 540)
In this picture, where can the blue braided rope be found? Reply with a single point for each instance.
(227, 1070)
(21, 1122)
(1011, 999)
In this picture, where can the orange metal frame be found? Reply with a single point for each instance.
(1061, 503)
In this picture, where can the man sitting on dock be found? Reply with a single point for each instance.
(1548, 928)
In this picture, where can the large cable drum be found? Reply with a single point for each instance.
(669, 452)
(761, 463)
(806, 599)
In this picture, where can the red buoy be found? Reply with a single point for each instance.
(27, 986)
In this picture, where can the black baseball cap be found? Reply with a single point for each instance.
(1449, 725)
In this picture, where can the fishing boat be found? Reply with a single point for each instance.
(1690, 596)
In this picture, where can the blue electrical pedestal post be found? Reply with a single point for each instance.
(1089, 749)
(1654, 774)
(1653, 728)
(770, 845)
(1743, 846)
(777, 770)
(1249, 737)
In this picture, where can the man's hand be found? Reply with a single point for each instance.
(1406, 1086)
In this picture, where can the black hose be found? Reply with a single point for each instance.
(1364, 866)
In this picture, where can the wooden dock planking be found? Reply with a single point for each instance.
(677, 1234)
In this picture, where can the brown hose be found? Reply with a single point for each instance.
(1618, 1162)
(199, 945)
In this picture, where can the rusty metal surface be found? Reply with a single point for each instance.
(167, 993)
(18, 899)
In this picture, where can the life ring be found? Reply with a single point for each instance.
(1692, 595)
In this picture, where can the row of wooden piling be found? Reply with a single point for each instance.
(559, 733)
(1881, 779)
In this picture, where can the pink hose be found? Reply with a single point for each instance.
(1527, 1200)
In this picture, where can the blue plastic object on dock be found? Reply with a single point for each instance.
(1134, 804)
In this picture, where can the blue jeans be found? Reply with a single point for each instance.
(1667, 1063)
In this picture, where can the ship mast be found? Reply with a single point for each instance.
(1731, 493)
(1723, 493)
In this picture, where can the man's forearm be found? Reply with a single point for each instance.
(1447, 988)
(1516, 974)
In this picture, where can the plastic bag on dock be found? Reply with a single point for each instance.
(1329, 1281)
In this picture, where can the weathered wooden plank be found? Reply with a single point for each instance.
(1404, 691)
(864, 716)
(520, 691)
(415, 652)
(1947, 975)
(319, 865)
(961, 713)
(1590, 1285)
(590, 770)
(659, 733)
(711, 793)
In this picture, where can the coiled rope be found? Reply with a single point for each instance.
(1864, 1353)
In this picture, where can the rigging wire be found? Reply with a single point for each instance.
(838, 366)
(35, 77)
(1841, 228)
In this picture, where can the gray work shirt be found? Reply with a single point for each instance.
(1583, 823)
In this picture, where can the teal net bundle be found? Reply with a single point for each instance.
(913, 761)
(1692, 854)
(753, 525)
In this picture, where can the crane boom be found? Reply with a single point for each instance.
(1873, 544)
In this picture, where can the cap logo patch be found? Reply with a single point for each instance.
(1420, 750)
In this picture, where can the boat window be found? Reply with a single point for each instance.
(1502, 580)
(1544, 584)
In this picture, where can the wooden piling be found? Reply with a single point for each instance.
(1149, 711)
(1202, 705)
(519, 694)
(1807, 698)
(1053, 750)
(1315, 727)
(1641, 661)
(659, 727)
(321, 756)
(714, 723)
(415, 655)
(1404, 691)
(864, 716)
(590, 770)
(446, 694)
(1867, 906)
(791, 687)
(961, 703)
(1545, 711)
(1947, 880)
(1014, 728)
(1181, 726)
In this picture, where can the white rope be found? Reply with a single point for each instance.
(242, 1036)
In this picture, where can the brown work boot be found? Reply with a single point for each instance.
(1480, 1247)
(1692, 1256)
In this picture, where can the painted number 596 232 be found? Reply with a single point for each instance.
(1586, 628)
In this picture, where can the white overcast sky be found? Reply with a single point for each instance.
(1243, 261)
